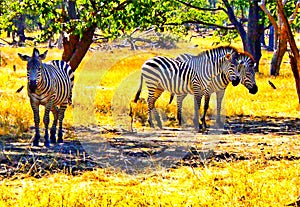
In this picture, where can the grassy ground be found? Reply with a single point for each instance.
(255, 182)
(248, 183)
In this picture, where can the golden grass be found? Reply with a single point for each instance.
(248, 183)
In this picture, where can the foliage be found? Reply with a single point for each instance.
(112, 18)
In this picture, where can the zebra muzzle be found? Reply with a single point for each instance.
(254, 89)
(32, 86)
(236, 81)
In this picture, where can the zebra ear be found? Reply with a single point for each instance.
(43, 56)
(228, 56)
(24, 57)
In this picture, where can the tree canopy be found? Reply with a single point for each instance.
(78, 20)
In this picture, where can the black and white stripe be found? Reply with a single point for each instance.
(189, 77)
(246, 70)
(49, 84)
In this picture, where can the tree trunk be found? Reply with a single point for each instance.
(75, 47)
(255, 30)
(271, 39)
(294, 56)
(295, 65)
(279, 53)
(72, 9)
(20, 24)
(251, 40)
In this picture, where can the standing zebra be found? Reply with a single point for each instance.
(49, 84)
(162, 73)
(247, 75)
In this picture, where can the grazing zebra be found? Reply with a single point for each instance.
(247, 75)
(190, 77)
(49, 84)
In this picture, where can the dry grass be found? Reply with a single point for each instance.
(245, 183)
(248, 183)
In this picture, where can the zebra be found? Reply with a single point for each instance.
(162, 73)
(49, 84)
(246, 65)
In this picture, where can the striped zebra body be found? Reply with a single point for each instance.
(68, 73)
(184, 57)
(49, 84)
(161, 73)
(218, 84)
(167, 74)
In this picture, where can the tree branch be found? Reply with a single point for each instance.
(291, 38)
(293, 16)
(201, 8)
(239, 26)
(262, 5)
(203, 23)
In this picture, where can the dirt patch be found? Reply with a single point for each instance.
(243, 138)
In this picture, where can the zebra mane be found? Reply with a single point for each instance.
(247, 54)
(218, 50)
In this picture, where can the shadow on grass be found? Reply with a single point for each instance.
(18, 158)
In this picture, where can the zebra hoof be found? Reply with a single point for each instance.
(60, 141)
(35, 143)
(47, 144)
(52, 139)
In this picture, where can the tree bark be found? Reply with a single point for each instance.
(295, 65)
(20, 24)
(271, 38)
(281, 36)
(255, 30)
(75, 47)
(294, 56)
(279, 52)
(251, 38)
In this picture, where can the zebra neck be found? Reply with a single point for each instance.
(225, 79)
(220, 82)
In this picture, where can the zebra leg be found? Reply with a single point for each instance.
(46, 122)
(61, 115)
(206, 105)
(179, 108)
(36, 117)
(152, 97)
(197, 102)
(53, 128)
(220, 95)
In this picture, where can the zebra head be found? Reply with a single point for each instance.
(229, 67)
(247, 72)
(34, 66)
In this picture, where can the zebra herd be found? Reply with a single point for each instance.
(209, 72)
(50, 84)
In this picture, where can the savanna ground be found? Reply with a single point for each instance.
(254, 161)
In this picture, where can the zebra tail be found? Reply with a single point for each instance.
(171, 98)
(138, 93)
